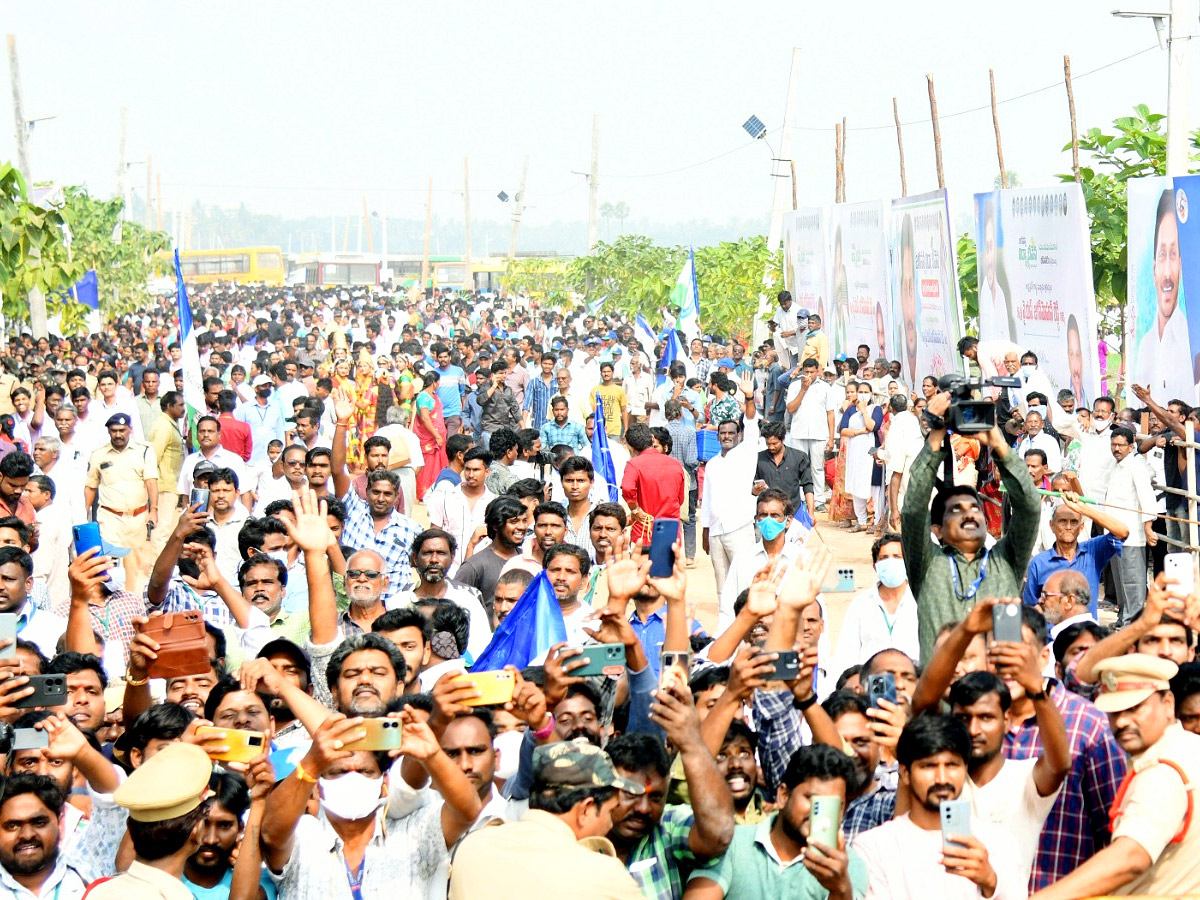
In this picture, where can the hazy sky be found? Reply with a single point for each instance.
(300, 108)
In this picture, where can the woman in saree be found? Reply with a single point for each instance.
(342, 381)
(366, 398)
(430, 428)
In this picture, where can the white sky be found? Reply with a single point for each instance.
(299, 108)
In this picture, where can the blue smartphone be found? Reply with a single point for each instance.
(881, 687)
(662, 547)
(87, 537)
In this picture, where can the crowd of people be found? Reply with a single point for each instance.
(378, 480)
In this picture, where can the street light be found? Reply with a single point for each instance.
(1179, 26)
(1158, 18)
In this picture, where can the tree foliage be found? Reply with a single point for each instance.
(633, 274)
(33, 251)
(122, 267)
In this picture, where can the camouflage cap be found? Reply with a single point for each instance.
(570, 765)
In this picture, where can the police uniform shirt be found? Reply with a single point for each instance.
(121, 475)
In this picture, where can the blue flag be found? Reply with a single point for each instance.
(602, 460)
(532, 628)
(87, 291)
(672, 350)
(193, 380)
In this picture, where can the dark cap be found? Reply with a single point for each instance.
(571, 765)
(118, 419)
(293, 651)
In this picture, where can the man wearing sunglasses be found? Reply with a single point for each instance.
(366, 580)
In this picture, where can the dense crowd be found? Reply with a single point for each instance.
(238, 644)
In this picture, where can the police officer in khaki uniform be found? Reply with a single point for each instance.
(124, 474)
(165, 798)
(1155, 847)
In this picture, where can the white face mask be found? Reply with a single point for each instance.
(508, 746)
(1027, 371)
(1101, 424)
(279, 556)
(351, 796)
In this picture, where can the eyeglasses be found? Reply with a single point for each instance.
(1045, 594)
(742, 755)
(293, 462)
(352, 574)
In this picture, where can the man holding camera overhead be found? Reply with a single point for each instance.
(948, 564)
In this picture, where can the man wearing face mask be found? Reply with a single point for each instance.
(561, 840)
(773, 511)
(1095, 453)
(883, 616)
(397, 852)
(264, 417)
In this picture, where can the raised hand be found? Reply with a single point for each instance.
(418, 740)
(761, 601)
(210, 576)
(626, 575)
(311, 532)
(673, 588)
(343, 406)
(802, 584)
(86, 573)
(327, 743)
(190, 520)
(674, 711)
(66, 741)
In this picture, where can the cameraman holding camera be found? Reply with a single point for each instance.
(948, 577)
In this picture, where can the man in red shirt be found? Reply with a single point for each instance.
(653, 486)
(15, 469)
(235, 434)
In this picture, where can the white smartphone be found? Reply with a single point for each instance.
(1179, 568)
(956, 820)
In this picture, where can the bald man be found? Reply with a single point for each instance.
(1065, 599)
(366, 581)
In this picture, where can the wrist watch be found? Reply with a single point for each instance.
(805, 703)
(1040, 695)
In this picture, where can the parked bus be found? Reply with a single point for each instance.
(342, 270)
(244, 265)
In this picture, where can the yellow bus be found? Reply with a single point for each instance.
(245, 265)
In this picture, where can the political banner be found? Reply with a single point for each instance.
(1163, 340)
(805, 271)
(858, 280)
(924, 324)
(1035, 281)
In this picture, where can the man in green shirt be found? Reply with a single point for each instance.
(947, 578)
(775, 858)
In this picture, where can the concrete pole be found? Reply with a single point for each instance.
(520, 200)
(470, 279)
(594, 184)
(21, 131)
(1182, 27)
(149, 167)
(428, 231)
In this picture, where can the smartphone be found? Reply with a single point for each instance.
(956, 819)
(86, 537)
(382, 734)
(662, 547)
(1178, 566)
(48, 690)
(1006, 622)
(182, 644)
(603, 659)
(675, 668)
(8, 631)
(787, 665)
(199, 496)
(825, 820)
(30, 739)
(495, 687)
(881, 687)
(243, 745)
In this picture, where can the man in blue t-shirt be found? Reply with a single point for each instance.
(208, 873)
(450, 388)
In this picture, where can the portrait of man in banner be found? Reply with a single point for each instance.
(995, 301)
(1164, 359)
(908, 298)
(1075, 361)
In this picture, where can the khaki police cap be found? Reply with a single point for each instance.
(1125, 681)
(169, 784)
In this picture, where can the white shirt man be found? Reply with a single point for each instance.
(54, 541)
(453, 511)
(1095, 459)
(1044, 442)
(1163, 362)
(901, 446)
(221, 458)
(639, 387)
(727, 507)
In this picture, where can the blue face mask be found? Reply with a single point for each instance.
(770, 528)
(891, 572)
(813, 332)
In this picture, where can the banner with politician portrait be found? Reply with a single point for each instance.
(1163, 334)
(858, 280)
(805, 270)
(925, 316)
(1034, 266)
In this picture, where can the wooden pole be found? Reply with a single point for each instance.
(594, 184)
(1071, 107)
(795, 199)
(149, 166)
(937, 132)
(837, 162)
(842, 164)
(900, 146)
(158, 202)
(366, 224)
(996, 128)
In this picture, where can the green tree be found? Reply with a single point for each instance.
(968, 282)
(33, 250)
(122, 268)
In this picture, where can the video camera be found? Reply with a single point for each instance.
(966, 414)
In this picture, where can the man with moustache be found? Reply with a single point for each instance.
(432, 555)
(366, 581)
(208, 873)
(30, 862)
